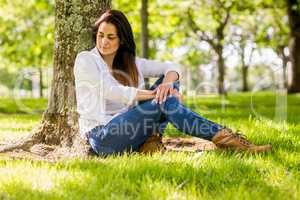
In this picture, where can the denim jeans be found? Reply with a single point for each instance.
(129, 130)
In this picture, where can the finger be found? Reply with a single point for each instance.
(171, 91)
(161, 95)
(157, 95)
(153, 92)
(164, 95)
(175, 92)
(167, 93)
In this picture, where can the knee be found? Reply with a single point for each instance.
(171, 101)
(170, 105)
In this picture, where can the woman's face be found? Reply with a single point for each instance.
(107, 40)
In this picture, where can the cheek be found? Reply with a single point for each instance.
(98, 43)
(116, 45)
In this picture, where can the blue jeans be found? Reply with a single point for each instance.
(129, 130)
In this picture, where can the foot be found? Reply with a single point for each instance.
(153, 144)
(227, 139)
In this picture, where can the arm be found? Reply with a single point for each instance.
(152, 68)
(92, 77)
(145, 95)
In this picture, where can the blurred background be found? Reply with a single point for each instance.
(223, 46)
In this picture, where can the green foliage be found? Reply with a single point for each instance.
(7, 77)
(274, 31)
(27, 32)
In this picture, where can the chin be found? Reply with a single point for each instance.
(105, 53)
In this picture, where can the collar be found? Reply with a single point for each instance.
(99, 59)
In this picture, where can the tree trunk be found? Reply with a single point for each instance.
(221, 70)
(59, 125)
(284, 75)
(294, 23)
(41, 82)
(245, 68)
(245, 78)
(145, 35)
(284, 58)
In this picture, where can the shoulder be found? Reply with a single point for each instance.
(85, 61)
(84, 55)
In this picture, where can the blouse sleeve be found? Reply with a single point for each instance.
(152, 68)
(88, 76)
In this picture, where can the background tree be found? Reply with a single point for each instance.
(293, 10)
(59, 125)
(244, 28)
(214, 35)
(279, 38)
(27, 32)
(145, 34)
(273, 33)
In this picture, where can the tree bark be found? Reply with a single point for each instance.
(245, 68)
(284, 75)
(293, 10)
(59, 125)
(245, 78)
(41, 82)
(284, 58)
(221, 70)
(145, 35)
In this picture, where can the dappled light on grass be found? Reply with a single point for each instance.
(205, 175)
(182, 175)
(15, 126)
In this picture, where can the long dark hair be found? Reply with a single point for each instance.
(124, 61)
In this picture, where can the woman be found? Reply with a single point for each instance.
(116, 113)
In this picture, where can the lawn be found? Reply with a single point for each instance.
(208, 175)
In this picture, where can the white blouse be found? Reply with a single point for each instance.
(100, 97)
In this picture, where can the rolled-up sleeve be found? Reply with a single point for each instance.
(152, 68)
(89, 76)
(113, 90)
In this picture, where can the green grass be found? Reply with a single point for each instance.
(209, 175)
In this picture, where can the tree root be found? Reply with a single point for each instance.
(24, 144)
(33, 149)
(55, 137)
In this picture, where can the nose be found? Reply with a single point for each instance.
(105, 41)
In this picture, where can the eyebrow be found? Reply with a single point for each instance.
(110, 34)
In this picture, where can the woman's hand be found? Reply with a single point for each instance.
(162, 91)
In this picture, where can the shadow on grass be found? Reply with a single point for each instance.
(136, 177)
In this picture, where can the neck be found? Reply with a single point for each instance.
(109, 59)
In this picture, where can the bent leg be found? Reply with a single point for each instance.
(163, 121)
(126, 131)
